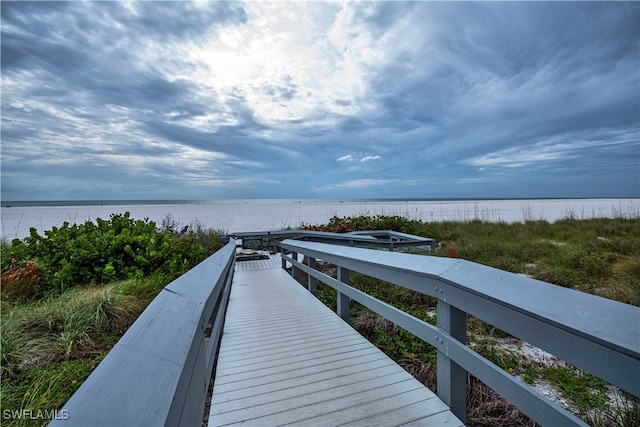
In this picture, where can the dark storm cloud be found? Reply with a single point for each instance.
(179, 19)
(534, 74)
(418, 99)
(100, 46)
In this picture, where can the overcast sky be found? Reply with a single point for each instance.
(210, 100)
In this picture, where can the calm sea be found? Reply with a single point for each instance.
(266, 215)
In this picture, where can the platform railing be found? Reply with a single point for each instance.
(595, 334)
(158, 373)
(389, 239)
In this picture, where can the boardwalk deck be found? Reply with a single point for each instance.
(286, 359)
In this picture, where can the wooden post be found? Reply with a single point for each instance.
(343, 301)
(294, 269)
(312, 281)
(452, 378)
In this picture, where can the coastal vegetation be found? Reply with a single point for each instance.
(68, 296)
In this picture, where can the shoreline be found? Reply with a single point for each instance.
(277, 214)
(152, 202)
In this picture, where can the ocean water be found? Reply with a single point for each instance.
(268, 215)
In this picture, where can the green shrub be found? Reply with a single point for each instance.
(364, 222)
(101, 252)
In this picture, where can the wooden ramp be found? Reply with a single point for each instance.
(286, 359)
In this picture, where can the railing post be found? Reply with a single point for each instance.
(312, 282)
(452, 378)
(343, 301)
(294, 269)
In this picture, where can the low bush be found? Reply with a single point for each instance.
(95, 253)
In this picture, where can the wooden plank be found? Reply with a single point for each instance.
(241, 349)
(223, 375)
(304, 350)
(286, 358)
(439, 419)
(336, 374)
(250, 381)
(278, 321)
(312, 392)
(389, 411)
(304, 407)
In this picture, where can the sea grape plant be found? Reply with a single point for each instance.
(100, 252)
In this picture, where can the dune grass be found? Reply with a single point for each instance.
(50, 346)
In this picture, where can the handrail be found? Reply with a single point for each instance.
(598, 335)
(370, 238)
(158, 373)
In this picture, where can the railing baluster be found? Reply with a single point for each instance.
(451, 376)
(343, 300)
(294, 269)
(312, 281)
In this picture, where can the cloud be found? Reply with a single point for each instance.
(365, 99)
(361, 183)
(369, 158)
(347, 158)
(517, 158)
(569, 150)
(358, 158)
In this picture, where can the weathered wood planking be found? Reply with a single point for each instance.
(262, 264)
(286, 359)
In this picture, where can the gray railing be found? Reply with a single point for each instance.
(159, 371)
(595, 334)
(371, 238)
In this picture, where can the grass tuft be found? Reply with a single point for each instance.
(49, 347)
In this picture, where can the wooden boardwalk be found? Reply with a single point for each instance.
(286, 359)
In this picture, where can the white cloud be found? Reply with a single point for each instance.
(516, 157)
(512, 158)
(368, 158)
(271, 51)
(361, 158)
(361, 183)
(347, 158)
